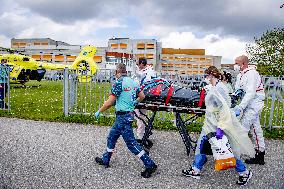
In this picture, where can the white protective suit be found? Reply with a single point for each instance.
(143, 76)
(219, 114)
(252, 104)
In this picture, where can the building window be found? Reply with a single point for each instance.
(150, 46)
(36, 56)
(47, 57)
(149, 56)
(140, 55)
(22, 44)
(140, 45)
(97, 58)
(114, 45)
(15, 45)
(123, 46)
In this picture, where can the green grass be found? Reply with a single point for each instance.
(43, 101)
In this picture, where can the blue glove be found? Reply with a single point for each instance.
(239, 93)
(135, 103)
(237, 111)
(97, 114)
(219, 133)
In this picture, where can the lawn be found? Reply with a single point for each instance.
(44, 101)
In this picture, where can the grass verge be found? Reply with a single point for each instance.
(43, 101)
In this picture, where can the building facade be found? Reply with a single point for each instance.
(122, 50)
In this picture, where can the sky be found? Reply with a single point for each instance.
(221, 27)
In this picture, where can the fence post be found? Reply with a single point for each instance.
(65, 92)
(8, 85)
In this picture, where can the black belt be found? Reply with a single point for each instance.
(122, 112)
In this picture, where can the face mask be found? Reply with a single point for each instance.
(237, 68)
(207, 80)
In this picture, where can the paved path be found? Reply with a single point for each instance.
(36, 154)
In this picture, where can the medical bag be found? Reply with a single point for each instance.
(222, 153)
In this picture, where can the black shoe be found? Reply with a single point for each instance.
(190, 173)
(147, 173)
(243, 180)
(258, 159)
(148, 144)
(101, 162)
(139, 141)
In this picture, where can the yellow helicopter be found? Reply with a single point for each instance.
(24, 68)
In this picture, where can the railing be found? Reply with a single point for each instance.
(86, 97)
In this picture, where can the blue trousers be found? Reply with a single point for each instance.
(3, 92)
(123, 126)
(200, 159)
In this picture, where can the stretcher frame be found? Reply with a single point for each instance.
(189, 143)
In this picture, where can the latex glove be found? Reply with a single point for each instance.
(239, 93)
(237, 111)
(219, 133)
(135, 103)
(97, 114)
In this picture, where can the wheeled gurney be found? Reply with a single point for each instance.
(161, 95)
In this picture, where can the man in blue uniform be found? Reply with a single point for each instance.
(124, 95)
(3, 84)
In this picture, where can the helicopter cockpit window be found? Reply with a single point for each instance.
(26, 59)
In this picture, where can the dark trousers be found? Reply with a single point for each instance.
(3, 94)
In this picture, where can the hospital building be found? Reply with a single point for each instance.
(122, 50)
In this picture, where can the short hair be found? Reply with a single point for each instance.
(212, 70)
(121, 68)
(142, 61)
(243, 58)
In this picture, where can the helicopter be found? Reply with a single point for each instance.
(24, 68)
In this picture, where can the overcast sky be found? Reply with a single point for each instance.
(221, 27)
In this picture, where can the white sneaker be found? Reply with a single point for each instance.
(191, 173)
(243, 180)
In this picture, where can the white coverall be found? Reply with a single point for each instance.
(143, 76)
(252, 104)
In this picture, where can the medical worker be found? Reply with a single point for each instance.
(251, 105)
(124, 94)
(220, 120)
(145, 73)
(3, 84)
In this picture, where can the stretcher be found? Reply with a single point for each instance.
(181, 124)
(161, 95)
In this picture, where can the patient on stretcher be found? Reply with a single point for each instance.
(160, 91)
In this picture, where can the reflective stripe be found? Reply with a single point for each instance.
(141, 154)
(260, 86)
(109, 150)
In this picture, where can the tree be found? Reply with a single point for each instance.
(268, 52)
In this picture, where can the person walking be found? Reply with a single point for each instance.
(220, 120)
(251, 105)
(124, 94)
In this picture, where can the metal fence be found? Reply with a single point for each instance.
(87, 97)
(272, 114)
(4, 87)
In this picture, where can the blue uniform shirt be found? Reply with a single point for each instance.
(125, 90)
(3, 73)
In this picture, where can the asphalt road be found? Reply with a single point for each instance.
(37, 154)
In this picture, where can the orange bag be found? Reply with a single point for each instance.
(222, 153)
